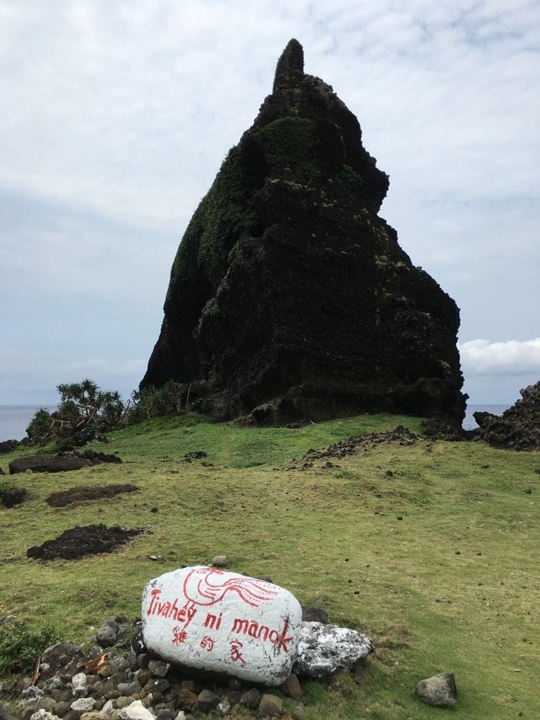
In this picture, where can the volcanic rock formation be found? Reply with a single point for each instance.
(289, 297)
(518, 428)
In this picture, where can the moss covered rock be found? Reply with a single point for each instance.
(290, 298)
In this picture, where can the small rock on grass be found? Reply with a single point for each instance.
(270, 706)
(439, 690)
(291, 686)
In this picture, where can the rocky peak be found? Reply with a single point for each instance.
(289, 297)
(290, 66)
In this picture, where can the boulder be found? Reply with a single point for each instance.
(518, 428)
(13, 496)
(48, 463)
(209, 620)
(290, 298)
(326, 649)
(61, 462)
(7, 446)
(439, 690)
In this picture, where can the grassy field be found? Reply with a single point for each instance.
(429, 548)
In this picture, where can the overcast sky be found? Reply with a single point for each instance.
(116, 116)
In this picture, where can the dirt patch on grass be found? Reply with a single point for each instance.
(80, 541)
(88, 492)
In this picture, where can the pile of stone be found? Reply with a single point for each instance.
(108, 679)
(75, 685)
(351, 446)
(210, 643)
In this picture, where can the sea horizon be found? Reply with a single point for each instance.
(15, 418)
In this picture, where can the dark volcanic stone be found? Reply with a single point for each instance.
(251, 699)
(206, 701)
(48, 463)
(314, 614)
(7, 446)
(518, 428)
(13, 496)
(290, 298)
(61, 462)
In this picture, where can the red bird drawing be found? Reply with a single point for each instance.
(205, 586)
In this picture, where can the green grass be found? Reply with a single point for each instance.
(423, 548)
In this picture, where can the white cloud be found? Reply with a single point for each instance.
(116, 117)
(128, 110)
(513, 357)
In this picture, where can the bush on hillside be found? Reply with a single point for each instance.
(155, 402)
(84, 411)
(20, 646)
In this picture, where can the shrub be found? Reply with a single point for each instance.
(83, 407)
(20, 646)
(155, 402)
(85, 411)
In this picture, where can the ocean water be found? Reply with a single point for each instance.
(470, 423)
(14, 419)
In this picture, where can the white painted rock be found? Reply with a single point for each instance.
(326, 649)
(208, 619)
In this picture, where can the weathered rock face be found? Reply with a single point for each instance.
(518, 428)
(289, 297)
(206, 619)
(326, 649)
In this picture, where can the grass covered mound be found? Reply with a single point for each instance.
(426, 546)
